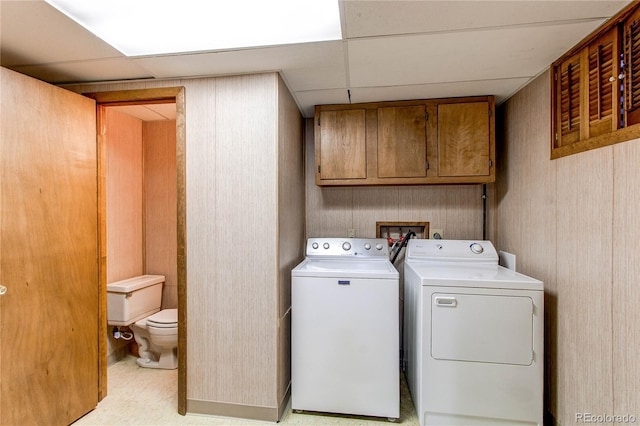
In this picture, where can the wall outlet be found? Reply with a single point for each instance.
(436, 234)
(351, 233)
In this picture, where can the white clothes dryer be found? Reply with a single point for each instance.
(473, 336)
(345, 354)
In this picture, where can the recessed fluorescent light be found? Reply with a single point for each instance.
(154, 27)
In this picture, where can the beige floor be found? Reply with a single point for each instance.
(143, 396)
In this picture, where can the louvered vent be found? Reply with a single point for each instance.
(600, 87)
(570, 98)
(632, 50)
(603, 92)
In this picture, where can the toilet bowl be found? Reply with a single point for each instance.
(157, 339)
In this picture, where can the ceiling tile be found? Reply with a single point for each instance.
(307, 100)
(307, 66)
(374, 18)
(149, 112)
(461, 56)
(33, 32)
(501, 89)
(167, 111)
(86, 71)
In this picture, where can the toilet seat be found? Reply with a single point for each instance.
(166, 318)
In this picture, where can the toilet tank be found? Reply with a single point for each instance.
(133, 299)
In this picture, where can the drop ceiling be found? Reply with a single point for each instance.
(390, 50)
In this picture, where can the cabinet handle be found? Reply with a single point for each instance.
(3, 290)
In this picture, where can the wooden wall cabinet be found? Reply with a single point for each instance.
(436, 141)
(343, 144)
(595, 88)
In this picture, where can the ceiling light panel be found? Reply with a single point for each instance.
(156, 27)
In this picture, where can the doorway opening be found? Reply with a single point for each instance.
(141, 204)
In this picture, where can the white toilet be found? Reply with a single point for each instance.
(157, 339)
(136, 302)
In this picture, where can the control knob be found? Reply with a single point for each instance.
(346, 246)
(378, 246)
(326, 246)
(367, 246)
(476, 248)
(314, 245)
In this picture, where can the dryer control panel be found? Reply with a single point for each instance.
(472, 251)
(365, 247)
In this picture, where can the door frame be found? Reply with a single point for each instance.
(142, 96)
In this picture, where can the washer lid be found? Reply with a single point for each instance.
(164, 318)
(346, 267)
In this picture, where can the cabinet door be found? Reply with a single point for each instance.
(464, 147)
(402, 141)
(342, 145)
(587, 92)
(603, 94)
(632, 61)
(568, 101)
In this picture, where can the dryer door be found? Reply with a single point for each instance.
(482, 328)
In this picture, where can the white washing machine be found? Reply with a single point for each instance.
(345, 329)
(473, 347)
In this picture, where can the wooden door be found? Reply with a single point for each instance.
(402, 141)
(341, 145)
(48, 253)
(464, 147)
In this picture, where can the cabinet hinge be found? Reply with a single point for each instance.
(490, 163)
(556, 137)
(318, 168)
(489, 113)
(318, 121)
(426, 116)
(426, 165)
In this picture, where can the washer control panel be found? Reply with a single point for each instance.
(347, 247)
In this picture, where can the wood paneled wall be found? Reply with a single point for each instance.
(573, 223)
(291, 220)
(160, 213)
(240, 247)
(141, 199)
(626, 273)
(241, 350)
(124, 196)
